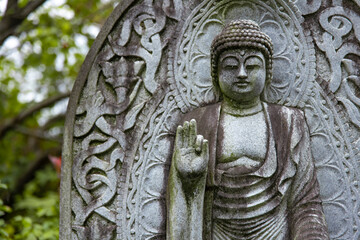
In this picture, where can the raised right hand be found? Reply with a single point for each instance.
(191, 151)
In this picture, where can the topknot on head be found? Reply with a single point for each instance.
(242, 24)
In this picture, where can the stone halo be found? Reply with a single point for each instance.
(293, 51)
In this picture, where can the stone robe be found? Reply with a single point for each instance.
(289, 209)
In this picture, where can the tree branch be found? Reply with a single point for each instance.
(38, 134)
(28, 112)
(14, 16)
(106, 6)
(30, 7)
(53, 120)
(29, 173)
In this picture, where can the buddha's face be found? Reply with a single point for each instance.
(242, 74)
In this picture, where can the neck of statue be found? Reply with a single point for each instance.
(241, 109)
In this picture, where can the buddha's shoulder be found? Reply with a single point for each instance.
(285, 111)
(207, 112)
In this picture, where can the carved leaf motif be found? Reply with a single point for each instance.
(130, 117)
(307, 7)
(173, 8)
(98, 230)
(147, 21)
(352, 110)
(105, 127)
(351, 102)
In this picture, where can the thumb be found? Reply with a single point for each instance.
(205, 150)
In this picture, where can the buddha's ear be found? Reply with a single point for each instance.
(216, 88)
(263, 96)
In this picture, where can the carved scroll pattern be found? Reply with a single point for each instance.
(293, 50)
(146, 199)
(336, 167)
(100, 143)
(137, 43)
(120, 84)
(147, 20)
(342, 50)
(337, 36)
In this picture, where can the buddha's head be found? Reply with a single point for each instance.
(241, 60)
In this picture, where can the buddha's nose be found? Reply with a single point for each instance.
(242, 73)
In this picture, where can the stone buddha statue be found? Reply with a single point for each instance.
(242, 168)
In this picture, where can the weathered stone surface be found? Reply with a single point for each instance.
(151, 63)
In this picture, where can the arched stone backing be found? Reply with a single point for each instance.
(150, 64)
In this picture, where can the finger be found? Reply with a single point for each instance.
(199, 143)
(179, 139)
(205, 149)
(192, 132)
(186, 134)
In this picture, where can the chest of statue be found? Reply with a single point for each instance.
(242, 142)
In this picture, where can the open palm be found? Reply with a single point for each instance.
(191, 152)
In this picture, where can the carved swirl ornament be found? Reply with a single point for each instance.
(140, 81)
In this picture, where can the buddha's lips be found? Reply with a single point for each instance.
(242, 84)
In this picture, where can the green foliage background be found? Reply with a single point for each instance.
(47, 52)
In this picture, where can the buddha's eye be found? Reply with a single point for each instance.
(253, 63)
(230, 67)
(252, 67)
(230, 63)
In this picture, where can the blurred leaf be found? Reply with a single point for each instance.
(22, 3)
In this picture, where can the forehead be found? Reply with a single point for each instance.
(242, 53)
